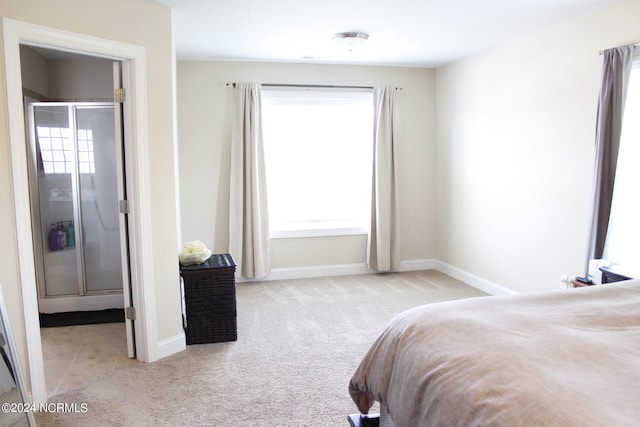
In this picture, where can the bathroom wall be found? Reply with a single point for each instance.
(65, 77)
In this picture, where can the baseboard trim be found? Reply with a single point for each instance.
(472, 280)
(418, 264)
(171, 345)
(409, 265)
(337, 270)
(314, 271)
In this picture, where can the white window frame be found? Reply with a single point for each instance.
(624, 209)
(317, 96)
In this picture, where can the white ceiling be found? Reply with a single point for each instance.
(424, 33)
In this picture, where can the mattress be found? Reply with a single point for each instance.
(569, 357)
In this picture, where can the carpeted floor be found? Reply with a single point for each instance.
(299, 342)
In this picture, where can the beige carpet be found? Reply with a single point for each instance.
(299, 341)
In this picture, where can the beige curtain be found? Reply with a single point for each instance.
(248, 221)
(384, 236)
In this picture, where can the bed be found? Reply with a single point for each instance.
(557, 358)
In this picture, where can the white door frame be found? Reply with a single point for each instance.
(137, 171)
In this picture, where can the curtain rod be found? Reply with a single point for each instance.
(313, 86)
(634, 45)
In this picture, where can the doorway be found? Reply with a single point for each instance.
(76, 180)
(132, 57)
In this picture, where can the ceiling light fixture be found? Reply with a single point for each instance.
(350, 40)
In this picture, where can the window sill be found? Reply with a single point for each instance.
(325, 232)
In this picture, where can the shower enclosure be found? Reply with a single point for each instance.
(75, 179)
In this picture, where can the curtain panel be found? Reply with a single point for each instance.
(248, 218)
(616, 70)
(384, 236)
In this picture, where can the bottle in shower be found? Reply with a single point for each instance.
(71, 235)
(53, 238)
(61, 236)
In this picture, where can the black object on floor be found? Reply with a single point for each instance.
(72, 318)
(357, 420)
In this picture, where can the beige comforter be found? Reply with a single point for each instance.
(562, 358)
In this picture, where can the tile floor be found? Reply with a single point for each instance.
(75, 354)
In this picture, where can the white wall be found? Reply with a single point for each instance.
(515, 143)
(504, 191)
(204, 133)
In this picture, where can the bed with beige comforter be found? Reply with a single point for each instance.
(560, 358)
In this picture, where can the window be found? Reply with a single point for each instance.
(56, 150)
(318, 147)
(86, 163)
(623, 236)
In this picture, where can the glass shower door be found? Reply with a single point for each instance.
(77, 176)
(98, 198)
(55, 180)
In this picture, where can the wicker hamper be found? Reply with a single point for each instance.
(210, 300)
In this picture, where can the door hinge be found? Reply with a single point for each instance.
(124, 206)
(118, 95)
(130, 313)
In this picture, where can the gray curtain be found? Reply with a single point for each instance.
(384, 236)
(248, 220)
(616, 69)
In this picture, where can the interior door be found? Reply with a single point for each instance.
(124, 225)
